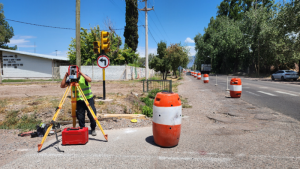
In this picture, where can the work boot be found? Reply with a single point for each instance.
(94, 132)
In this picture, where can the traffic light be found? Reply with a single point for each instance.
(105, 41)
(96, 47)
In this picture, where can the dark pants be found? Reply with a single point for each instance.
(80, 113)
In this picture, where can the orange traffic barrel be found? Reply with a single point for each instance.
(205, 78)
(236, 87)
(199, 76)
(192, 73)
(195, 74)
(166, 125)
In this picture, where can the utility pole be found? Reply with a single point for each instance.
(78, 54)
(146, 32)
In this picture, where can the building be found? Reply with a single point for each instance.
(18, 64)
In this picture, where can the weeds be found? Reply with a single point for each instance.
(24, 123)
(3, 103)
(153, 93)
(149, 100)
(184, 103)
(148, 111)
(101, 103)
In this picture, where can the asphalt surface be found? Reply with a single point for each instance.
(276, 95)
(250, 137)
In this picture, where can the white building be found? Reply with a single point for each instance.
(18, 64)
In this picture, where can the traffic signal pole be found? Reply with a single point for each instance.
(146, 34)
(104, 91)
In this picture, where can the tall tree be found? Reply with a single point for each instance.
(6, 31)
(131, 28)
(235, 9)
(161, 62)
(177, 56)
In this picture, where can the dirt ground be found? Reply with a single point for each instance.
(41, 100)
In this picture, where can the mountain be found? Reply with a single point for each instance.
(191, 62)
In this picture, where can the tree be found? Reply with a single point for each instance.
(6, 31)
(131, 28)
(235, 9)
(161, 62)
(177, 56)
(86, 46)
(142, 60)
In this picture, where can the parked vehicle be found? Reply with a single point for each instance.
(205, 68)
(285, 74)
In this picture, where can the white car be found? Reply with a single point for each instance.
(285, 74)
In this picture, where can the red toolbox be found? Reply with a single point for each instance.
(76, 135)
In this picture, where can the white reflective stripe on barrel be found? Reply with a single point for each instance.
(235, 87)
(205, 78)
(167, 115)
(199, 75)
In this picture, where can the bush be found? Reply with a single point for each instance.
(153, 93)
(148, 111)
(147, 101)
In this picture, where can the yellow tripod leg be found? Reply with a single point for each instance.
(54, 117)
(92, 112)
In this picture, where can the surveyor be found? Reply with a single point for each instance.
(84, 83)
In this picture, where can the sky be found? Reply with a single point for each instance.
(172, 21)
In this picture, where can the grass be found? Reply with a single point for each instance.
(3, 103)
(184, 103)
(24, 123)
(101, 103)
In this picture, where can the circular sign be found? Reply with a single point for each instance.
(103, 61)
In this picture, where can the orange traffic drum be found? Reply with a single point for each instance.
(205, 78)
(199, 76)
(236, 87)
(167, 113)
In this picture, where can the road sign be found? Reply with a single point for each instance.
(103, 61)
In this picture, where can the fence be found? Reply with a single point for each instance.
(163, 85)
(111, 72)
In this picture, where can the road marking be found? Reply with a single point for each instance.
(252, 93)
(270, 94)
(286, 93)
(195, 159)
(263, 87)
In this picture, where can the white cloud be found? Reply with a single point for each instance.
(141, 51)
(60, 53)
(189, 40)
(21, 41)
(192, 50)
(27, 37)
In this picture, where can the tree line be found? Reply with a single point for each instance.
(253, 36)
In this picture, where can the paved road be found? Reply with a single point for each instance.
(277, 95)
(246, 140)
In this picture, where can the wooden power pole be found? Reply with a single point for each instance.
(146, 33)
(78, 54)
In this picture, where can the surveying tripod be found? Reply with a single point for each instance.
(75, 85)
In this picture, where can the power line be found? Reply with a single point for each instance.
(157, 27)
(161, 24)
(152, 36)
(55, 26)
